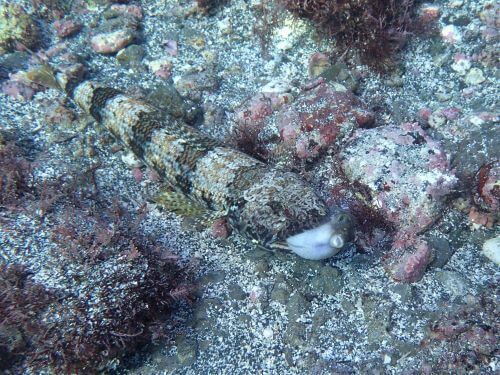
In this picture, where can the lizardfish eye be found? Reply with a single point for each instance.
(325, 240)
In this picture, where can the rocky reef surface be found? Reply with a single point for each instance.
(95, 277)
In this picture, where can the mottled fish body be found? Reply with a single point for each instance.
(264, 204)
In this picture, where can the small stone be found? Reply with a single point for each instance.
(451, 34)
(235, 292)
(453, 282)
(111, 42)
(261, 267)
(461, 66)
(474, 77)
(412, 265)
(130, 55)
(491, 250)
(268, 333)
(161, 67)
(437, 119)
(187, 350)
(67, 28)
(318, 63)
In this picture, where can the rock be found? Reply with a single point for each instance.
(408, 264)
(317, 119)
(131, 55)
(328, 281)
(296, 306)
(475, 76)
(17, 26)
(192, 85)
(487, 187)
(454, 283)
(67, 27)
(187, 350)
(404, 291)
(112, 42)
(378, 315)
(236, 293)
(115, 34)
(295, 334)
(280, 294)
(119, 10)
(491, 250)
(442, 251)
(406, 171)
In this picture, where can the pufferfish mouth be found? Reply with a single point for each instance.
(325, 240)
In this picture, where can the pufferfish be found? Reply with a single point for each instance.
(273, 208)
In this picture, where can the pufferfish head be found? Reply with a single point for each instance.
(280, 211)
(325, 240)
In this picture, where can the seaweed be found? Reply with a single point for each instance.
(376, 28)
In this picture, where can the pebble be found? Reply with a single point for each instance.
(491, 250)
(112, 42)
(475, 76)
(454, 283)
(451, 34)
(268, 333)
(437, 119)
(131, 55)
(461, 66)
(67, 28)
(318, 63)
(328, 281)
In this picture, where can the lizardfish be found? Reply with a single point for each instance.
(273, 208)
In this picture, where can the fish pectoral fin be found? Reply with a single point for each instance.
(278, 245)
(180, 203)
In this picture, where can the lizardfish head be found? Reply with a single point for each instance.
(325, 240)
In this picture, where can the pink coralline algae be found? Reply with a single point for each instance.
(411, 265)
(65, 28)
(319, 118)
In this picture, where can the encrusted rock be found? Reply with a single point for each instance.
(319, 118)
(17, 26)
(112, 42)
(406, 171)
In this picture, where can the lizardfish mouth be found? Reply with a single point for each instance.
(323, 241)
